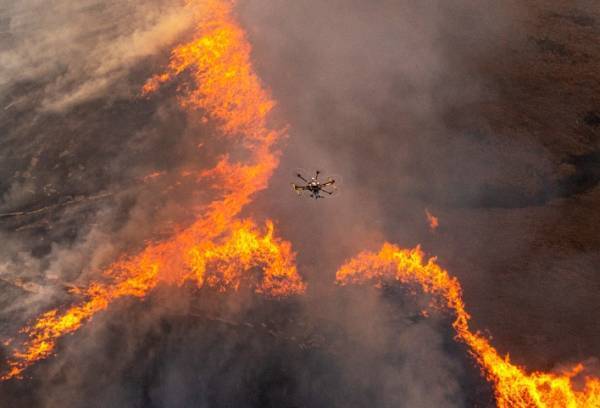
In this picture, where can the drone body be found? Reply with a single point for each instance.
(315, 187)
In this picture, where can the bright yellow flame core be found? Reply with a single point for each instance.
(513, 387)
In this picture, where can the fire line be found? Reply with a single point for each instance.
(513, 387)
(217, 248)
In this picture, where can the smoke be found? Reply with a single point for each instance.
(80, 50)
(459, 109)
(90, 170)
(456, 108)
(427, 105)
(198, 348)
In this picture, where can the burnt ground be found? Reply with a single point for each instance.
(540, 249)
(210, 349)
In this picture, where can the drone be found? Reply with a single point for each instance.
(315, 187)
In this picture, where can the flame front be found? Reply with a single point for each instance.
(513, 386)
(216, 249)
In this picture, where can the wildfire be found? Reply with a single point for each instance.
(216, 249)
(513, 386)
(220, 264)
(432, 220)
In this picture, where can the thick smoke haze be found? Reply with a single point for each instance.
(76, 51)
(482, 112)
(485, 113)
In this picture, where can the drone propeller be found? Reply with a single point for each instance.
(330, 181)
(299, 172)
(298, 189)
(331, 187)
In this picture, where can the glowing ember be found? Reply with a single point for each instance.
(513, 387)
(432, 220)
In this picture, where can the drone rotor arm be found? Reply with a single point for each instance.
(298, 189)
(301, 177)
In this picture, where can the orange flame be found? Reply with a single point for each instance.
(216, 249)
(220, 264)
(514, 387)
(432, 220)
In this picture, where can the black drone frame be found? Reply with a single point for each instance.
(314, 186)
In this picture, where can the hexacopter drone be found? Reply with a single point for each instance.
(315, 187)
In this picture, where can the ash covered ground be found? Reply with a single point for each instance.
(485, 113)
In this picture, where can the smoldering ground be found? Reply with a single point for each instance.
(475, 110)
(200, 348)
